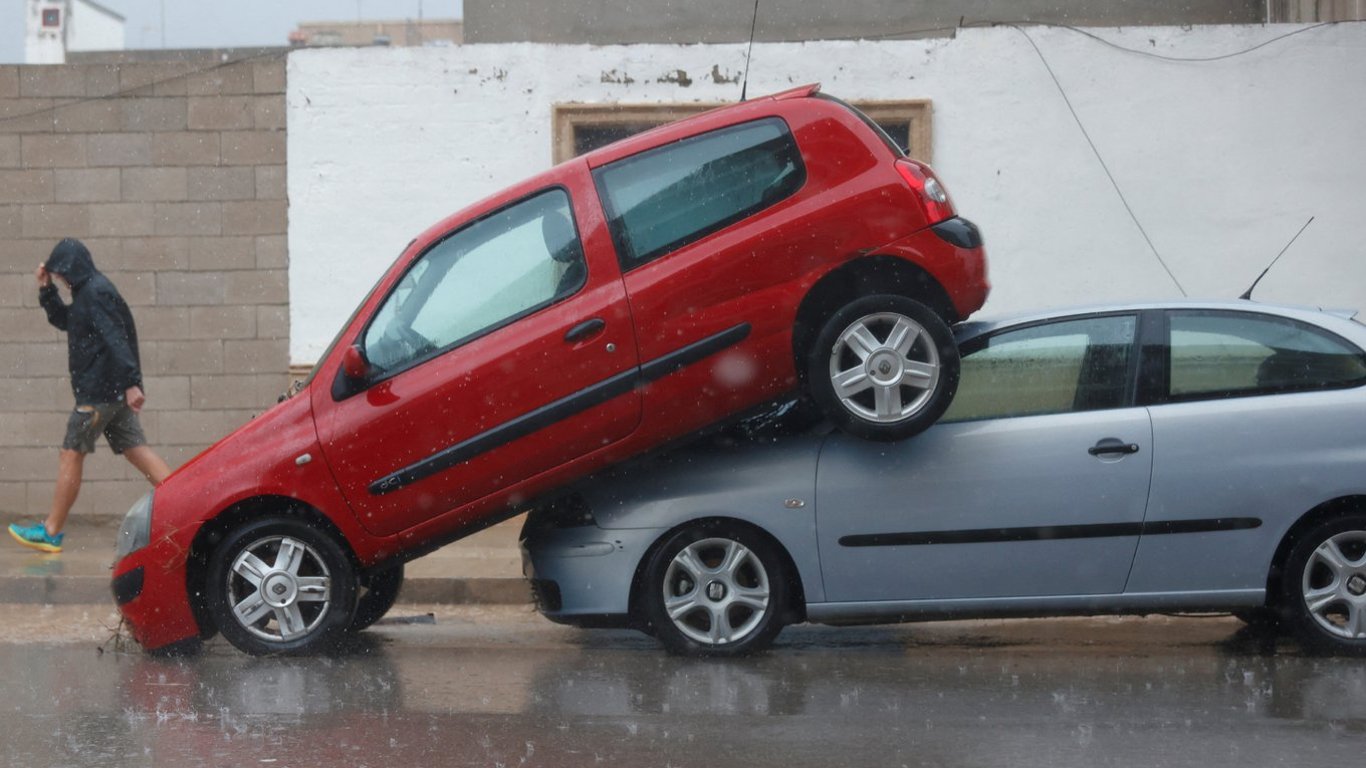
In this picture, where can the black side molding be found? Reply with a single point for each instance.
(559, 410)
(1050, 532)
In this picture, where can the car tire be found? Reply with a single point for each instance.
(381, 589)
(715, 589)
(1324, 584)
(294, 583)
(883, 367)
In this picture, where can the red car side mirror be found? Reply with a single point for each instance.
(354, 363)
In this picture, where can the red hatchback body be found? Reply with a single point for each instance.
(621, 300)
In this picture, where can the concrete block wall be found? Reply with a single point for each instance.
(174, 175)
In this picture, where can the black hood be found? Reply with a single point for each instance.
(71, 259)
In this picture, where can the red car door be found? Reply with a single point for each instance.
(505, 351)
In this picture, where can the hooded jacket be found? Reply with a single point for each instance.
(101, 341)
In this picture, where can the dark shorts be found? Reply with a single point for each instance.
(116, 420)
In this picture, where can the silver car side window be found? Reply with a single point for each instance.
(1060, 367)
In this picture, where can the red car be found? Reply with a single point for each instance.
(619, 301)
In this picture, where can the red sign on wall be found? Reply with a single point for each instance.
(52, 17)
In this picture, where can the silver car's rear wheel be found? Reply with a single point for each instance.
(715, 588)
(279, 585)
(1333, 585)
(1325, 585)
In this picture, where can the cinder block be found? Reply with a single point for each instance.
(190, 288)
(35, 394)
(33, 465)
(156, 115)
(13, 498)
(122, 219)
(254, 217)
(264, 286)
(119, 149)
(268, 112)
(10, 224)
(268, 75)
(137, 288)
(53, 150)
(14, 289)
(166, 393)
(253, 147)
(155, 78)
(232, 80)
(221, 113)
(225, 322)
(86, 117)
(26, 116)
(222, 253)
(154, 184)
(221, 184)
(28, 324)
(155, 253)
(34, 429)
(87, 185)
(248, 392)
(259, 356)
(163, 358)
(162, 323)
(56, 221)
(272, 252)
(9, 82)
(200, 428)
(192, 148)
(204, 218)
(26, 186)
(45, 359)
(272, 322)
(270, 182)
(52, 82)
(10, 152)
(102, 80)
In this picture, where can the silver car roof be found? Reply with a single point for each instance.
(1339, 320)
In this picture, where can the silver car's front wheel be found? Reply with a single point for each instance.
(716, 589)
(280, 586)
(1326, 585)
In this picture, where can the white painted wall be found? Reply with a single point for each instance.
(1221, 161)
(94, 29)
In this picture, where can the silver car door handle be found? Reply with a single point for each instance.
(1110, 446)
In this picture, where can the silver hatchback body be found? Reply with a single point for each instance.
(1151, 457)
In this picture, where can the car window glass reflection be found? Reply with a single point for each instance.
(1219, 355)
(1078, 365)
(500, 268)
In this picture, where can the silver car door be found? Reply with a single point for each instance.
(1034, 483)
(1262, 422)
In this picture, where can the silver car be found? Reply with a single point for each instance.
(1124, 459)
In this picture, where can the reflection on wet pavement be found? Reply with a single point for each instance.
(824, 697)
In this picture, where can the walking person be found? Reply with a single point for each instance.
(106, 377)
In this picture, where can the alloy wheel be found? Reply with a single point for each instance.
(279, 588)
(884, 367)
(1333, 585)
(716, 591)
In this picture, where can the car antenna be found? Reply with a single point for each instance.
(1247, 295)
(748, 52)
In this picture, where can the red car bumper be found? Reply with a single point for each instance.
(149, 588)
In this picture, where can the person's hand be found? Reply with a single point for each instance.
(44, 278)
(134, 398)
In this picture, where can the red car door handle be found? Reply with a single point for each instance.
(585, 329)
(1110, 446)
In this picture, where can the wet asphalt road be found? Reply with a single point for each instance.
(503, 688)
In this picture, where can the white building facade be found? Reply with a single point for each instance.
(1221, 160)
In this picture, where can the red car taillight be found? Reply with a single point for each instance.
(933, 197)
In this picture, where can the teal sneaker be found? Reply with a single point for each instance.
(36, 537)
